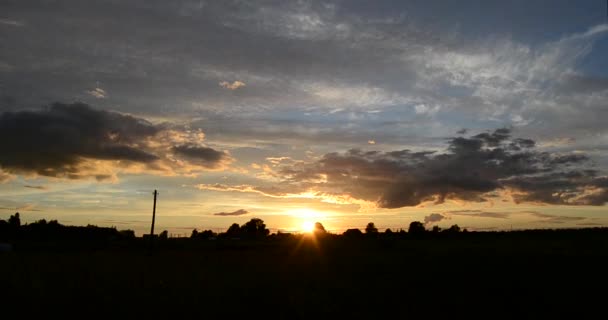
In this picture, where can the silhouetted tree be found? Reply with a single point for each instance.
(254, 228)
(194, 234)
(164, 235)
(416, 227)
(388, 231)
(436, 229)
(14, 220)
(453, 229)
(352, 233)
(371, 228)
(233, 231)
(207, 234)
(319, 229)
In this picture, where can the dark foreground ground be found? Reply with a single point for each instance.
(522, 275)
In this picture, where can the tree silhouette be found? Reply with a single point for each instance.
(319, 229)
(233, 231)
(352, 233)
(254, 228)
(207, 234)
(453, 229)
(416, 227)
(14, 220)
(436, 229)
(164, 235)
(194, 234)
(371, 228)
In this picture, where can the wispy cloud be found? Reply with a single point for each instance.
(28, 207)
(239, 212)
(36, 187)
(232, 86)
(480, 214)
(550, 218)
(98, 93)
(13, 23)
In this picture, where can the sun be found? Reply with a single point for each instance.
(308, 226)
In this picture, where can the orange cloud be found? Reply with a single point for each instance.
(232, 86)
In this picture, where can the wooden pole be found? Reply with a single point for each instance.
(153, 214)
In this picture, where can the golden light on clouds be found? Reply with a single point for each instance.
(98, 93)
(232, 86)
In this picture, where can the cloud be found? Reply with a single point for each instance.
(239, 212)
(5, 177)
(480, 214)
(27, 207)
(76, 141)
(232, 86)
(549, 218)
(98, 93)
(434, 217)
(472, 169)
(204, 156)
(36, 187)
(13, 23)
(591, 224)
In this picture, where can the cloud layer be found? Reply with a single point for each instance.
(76, 141)
(476, 168)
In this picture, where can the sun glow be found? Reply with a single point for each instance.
(308, 226)
(306, 219)
(305, 213)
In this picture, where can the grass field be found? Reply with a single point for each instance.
(518, 274)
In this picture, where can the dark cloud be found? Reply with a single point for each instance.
(54, 140)
(493, 139)
(36, 187)
(239, 212)
(58, 140)
(204, 156)
(471, 170)
(577, 187)
(434, 217)
(480, 214)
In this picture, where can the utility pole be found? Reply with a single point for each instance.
(153, 214)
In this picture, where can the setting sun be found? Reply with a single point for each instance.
(308, 226)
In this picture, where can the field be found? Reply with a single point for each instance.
(529, 274)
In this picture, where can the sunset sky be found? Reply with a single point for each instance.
(486, 114)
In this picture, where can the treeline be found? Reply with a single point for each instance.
(42, 230)
(12, 230)
(256, 229)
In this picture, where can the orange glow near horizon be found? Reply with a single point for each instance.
(307, 226)
(308, 217)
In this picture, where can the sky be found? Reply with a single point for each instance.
(486, 114)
